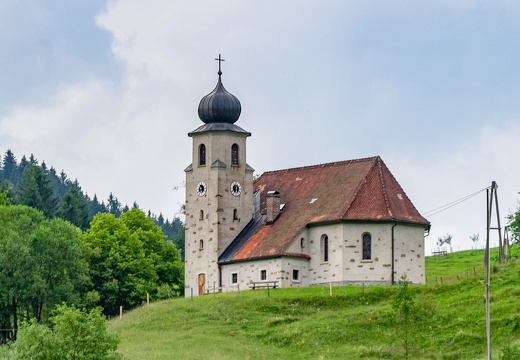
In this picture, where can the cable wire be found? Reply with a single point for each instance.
(453, 203)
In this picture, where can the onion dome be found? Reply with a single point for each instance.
(219, 106)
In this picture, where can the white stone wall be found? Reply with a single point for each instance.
(320, 271)
(346, 264)
(289, 264)
(409, 253)
(249, 271)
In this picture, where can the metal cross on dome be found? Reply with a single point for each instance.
(219, 62)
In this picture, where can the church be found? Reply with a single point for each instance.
(340, 223)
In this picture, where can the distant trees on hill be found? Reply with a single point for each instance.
(36, 185)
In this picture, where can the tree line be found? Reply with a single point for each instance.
(36, 185)
(58, 246)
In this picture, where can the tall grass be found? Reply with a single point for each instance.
(448, 321)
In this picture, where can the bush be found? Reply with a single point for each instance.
(74, 335)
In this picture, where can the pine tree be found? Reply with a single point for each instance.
(95, 207)
(73, 207)
(36, 192)
(44, 167)
(32, 160)
(114, 206)
(9, 166)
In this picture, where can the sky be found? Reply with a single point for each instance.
(107, 90)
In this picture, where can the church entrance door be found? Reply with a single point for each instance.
(202, 284)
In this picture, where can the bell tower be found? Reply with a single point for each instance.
(219, 189)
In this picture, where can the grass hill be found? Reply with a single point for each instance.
(355, 323)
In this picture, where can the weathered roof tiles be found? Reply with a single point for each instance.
(353, 190)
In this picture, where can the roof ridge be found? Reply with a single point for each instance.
(361, 183)
(385, 195)
(324, 164)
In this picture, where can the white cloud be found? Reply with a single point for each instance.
(449, 176)
(323, 83)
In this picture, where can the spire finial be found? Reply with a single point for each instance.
(219, 62)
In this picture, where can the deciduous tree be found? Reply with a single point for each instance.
(514, 227)
(41, 265)
(128, 258)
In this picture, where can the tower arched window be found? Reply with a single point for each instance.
(367, 246)
(234, 154)
(201, 217)
(201, 244)
(202, 154)
(324, 248)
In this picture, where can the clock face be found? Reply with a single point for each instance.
(201, 188)
(235, 188)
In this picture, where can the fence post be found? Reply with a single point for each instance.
(120, 312)
(191, 293)
(238, 288)
(363, 289)
(330, 288)
(147, 299)
(268, 292)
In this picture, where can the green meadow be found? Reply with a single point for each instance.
(448, 320)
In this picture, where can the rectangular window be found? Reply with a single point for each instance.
(296, 275)
(234, 278)
(263, 274)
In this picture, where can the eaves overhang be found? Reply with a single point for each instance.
(219, 127)
(368, 221)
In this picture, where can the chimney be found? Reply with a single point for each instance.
(273, 206)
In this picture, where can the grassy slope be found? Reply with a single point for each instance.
(310, 324)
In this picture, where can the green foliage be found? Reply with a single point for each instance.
(41, 265)
(73, 335)
(5, 198)
(514, 227)
(404, 306)
(73, 207)
(128, 258)
(37, 192)
(6, 193)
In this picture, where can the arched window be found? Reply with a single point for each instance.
(201, 215)
(234, 154)
(324, 248)
(367, 246)
(202, 154)
(235, 214)
(201, 244)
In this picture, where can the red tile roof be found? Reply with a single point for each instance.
(353, 190)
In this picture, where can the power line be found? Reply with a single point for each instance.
(453, 203)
